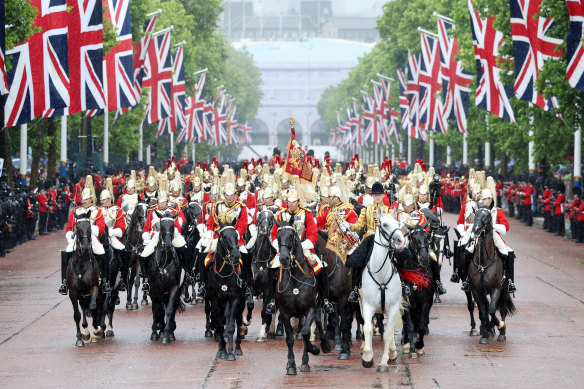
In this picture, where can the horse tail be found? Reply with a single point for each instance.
(506, 301)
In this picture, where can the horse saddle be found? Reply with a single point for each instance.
(359, 257)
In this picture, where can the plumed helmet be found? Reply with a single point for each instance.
(214, 190)
(229, 189)
(423, 189)
(369, 182)
(476, 188)
(292, 195)
(268, 192)
(408, 199)
(241, 181)
(335, 191)
(377, 188)
(162, 196)
(324, 191)
(197, 181)
(486, 194)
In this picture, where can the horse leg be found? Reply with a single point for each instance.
(250, 306)
(367, 312)
(291, 365)
(109, 331)
(483, 316)
(77, 319)
(169, 310)
(208, 332)
(470, 305)
(219, 325)
(422, 327)
(157, 312)
(85, 331)
(346, 312)
(239, 337)
(266, 321)
(389, 348)
(325, 346)
(308, 347)
(279, 327)
(230, 327)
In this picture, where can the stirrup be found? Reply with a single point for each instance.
(465, 286)
(271, 307)
(441, 289)
(511, 287)
(328, 306)
(145, 287)
(353, 296)
(121, 287)
(406, 291)
(202, 292)
(455, 278)
(105, 287)
(63, 289)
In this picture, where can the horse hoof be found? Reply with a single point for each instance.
(420, 351)
(128, 306)
(501, 338)
(367, 364)
(238, 352)
(298, 336)
(92, 306)
(437, 300)
(171, 337)
(473, 332)
(98, 331)
(85, 336)
(413, 355)
(406, 348)
(280, 330)
(337, 347)
(271, 335)
(392, 361)
(305, 368)
(382, 369)
(94, 339)
(221, 354)
(314, 349)
(134, 306)
(194, 302)
(325, 346)
(344, 356)
(230, 357)
(109, 333)
(117, 301)
(261, 339)
(243, 330)
(484, 341)
(154, 337)
(165, 340)
(79, 343)
(291, 371)
(144, 302)
(208, 334)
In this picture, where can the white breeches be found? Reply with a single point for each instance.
(307, 253)
(499, 244)
(96, 246)
(177, 241)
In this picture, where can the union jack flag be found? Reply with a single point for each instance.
(119, 61)
(455, 79)
(403, 101)
(158, 67)
(532, 47)
(379, 113)
(186, 132)
(371, 132)
(208, 119)
(413, 93)
(197, 118)
(575, 45)
(179, 103)
(45, 58)
(3, 79)
(142, 52)
(388, 116)
(357, 125)
(430, 87)
(85, 55)
(220, 119)
(491, 94)
(246, 133)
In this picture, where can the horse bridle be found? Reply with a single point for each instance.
(492, 260)
(293, 261)
(226, 258)
(261, 242)
(166, 264)
(417, 253)
(81, 249)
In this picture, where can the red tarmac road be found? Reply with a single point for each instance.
(543, 348)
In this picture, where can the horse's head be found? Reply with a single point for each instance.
(140, 213)
(265, 222)
(483, 221)
(228, 244)
(390, 231)
(83, 230)
(193, 212)
(166, 220)
(288, 240)
(418, 243)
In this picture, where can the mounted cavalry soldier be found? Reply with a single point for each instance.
(88, 200)
(368, 221)
(129, 200)
(228, 210)
(150, 234)
(115, 222)
(308, 234)
(197, 195)
(176, 200)
(150, 193)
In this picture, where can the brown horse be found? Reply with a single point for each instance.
(485, 275)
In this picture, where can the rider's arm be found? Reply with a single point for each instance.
(311, 230)
(361, 222)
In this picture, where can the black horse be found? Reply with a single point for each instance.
(414, 266)
(132, 240)
(225, 291)
(192, 236)
(83, 282)
(296, 293)
(485, 276)
(165, 275)
(462, 270)
(112, 269)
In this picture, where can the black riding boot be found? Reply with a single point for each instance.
(323, 283)
(104, 272)
(125, 264)
(436, 275)
(144, 262)
(455, 276)
(464, 272)
(182, 254)
(406, 290)
(64, 263)
(511, 271)
(356, 282)
(202, 276)
(270, 296)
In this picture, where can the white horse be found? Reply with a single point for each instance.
(381, 290)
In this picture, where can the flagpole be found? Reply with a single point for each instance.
(148, 155)
(162, 31)
(171, 144)
(409, 150)
(193, 154)
(392, 152)
(157, 12)
(141, 144)
(431, 156)
(464, 150)
(578, 154)
(200, 71)
(63, 146)
(433, 34)
(487, 145)
(105, 140)
(448, 156)
(436, 14)
(23, 152)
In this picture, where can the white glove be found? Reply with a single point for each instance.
(69, 236)
(307, 245)
(180, 221)
(95, 230)
(242, 249)
(345, 225)
(275, 245)
(116, 232)
(145, 237)
(202, 229)
(204, 242)
(500, 228)
(176, 232)
(210, 235)
(253, 231)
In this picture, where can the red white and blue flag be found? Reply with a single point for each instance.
(532, 47)
(430, 86)
(455, 79)
(403, 101)
(220, 119)
(158, 78)
(491, 94)
(390, 125)
(575, 44)
(3, 79)
(141, 50)
(413, 93)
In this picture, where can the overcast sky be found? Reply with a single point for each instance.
(371, 8)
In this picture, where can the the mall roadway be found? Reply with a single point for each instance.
(544, 345)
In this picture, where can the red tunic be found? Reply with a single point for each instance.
(43, 202)
(178, 221)
(97, 218)
(240, 225)
(345, 213)
(559, 204)
(580, 212)
(310, 231)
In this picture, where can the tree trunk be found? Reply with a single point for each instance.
(504, 166)
(37, 153)
(52, 157)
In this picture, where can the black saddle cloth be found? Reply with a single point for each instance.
(360, 256)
